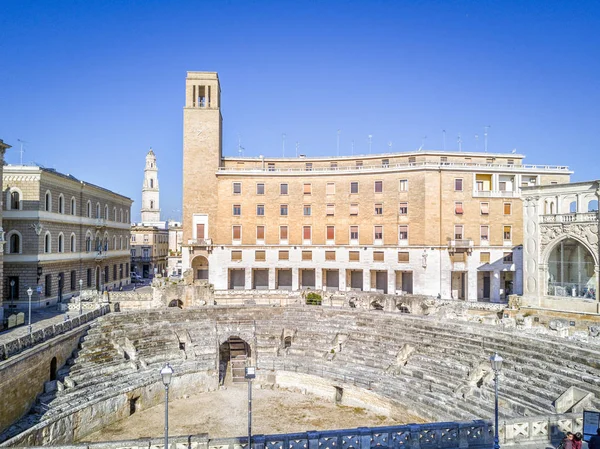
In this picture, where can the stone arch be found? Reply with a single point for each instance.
(61, 204)
(98, 215)
(47, 242)
(14, 199)
(592, 205)
(73, 243)
(61, 243)
(550, 247)
(48, 201)
(73, 206)
(15, 242)
(570, 268)
(200, 267)
(235, 353)
(106, 217)
(176, 303)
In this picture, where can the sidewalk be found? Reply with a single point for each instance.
(40, 318)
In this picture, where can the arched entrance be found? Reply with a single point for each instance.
(53, 369)
(233, 356)
(571, 270)
(200, 267)
(176, 303)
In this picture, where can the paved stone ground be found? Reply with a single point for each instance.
(223, 414)
(39, 318)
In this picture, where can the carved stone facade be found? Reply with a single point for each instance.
(561, 255)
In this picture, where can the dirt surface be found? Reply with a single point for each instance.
(223, 414)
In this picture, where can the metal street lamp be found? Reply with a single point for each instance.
(496, 362)
(29, 293)
(80, 289)
(166, 374)
(250, 373)
(59, 288)
(12, 290)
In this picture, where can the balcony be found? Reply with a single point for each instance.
(460, 246)
(200, 242)
(496, 194)
(100, 223)
(570, 218)
(100, 256)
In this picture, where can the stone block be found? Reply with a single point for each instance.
(558, 323)
(50, 386)
(595, 331)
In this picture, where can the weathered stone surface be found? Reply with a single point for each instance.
(558, 323)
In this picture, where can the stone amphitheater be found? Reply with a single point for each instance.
(437, 368)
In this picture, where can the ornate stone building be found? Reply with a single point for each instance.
(560, 257)
(3, 148)
(426, 222)
(149, 238)
(60, 230)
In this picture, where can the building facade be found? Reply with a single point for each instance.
(3, 148)
(174, 266)
(60, 231)
(150, 238)
(425, 222)
(561, 256)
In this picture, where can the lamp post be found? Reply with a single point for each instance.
(80, 290)
(59, 288)
(12, 291)
(166, 374)
(496, 362)
(29, 293)
(250, 374)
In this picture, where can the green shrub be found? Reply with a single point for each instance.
(313, 299)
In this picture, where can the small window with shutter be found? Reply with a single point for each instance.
(306, 255)
(329, 255)
(378, 256)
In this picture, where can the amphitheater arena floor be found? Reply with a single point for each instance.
(223, 414)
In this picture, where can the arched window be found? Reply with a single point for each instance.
(47, 243)
(115, 213)
(126, 216)
(571, 270)
(48, 202)
(88, 241)
(593, 206)
(14, 199)
(61, 242)
(14, 242)
(106, 212)
(151, 204)
(573, 207)
(89, 209)
(151, 183)
(97, 243)
(73, 206)
(121, 242)
(551, 208)
(98, 210)
(114, 242)
(287, 342)
(61, 204)
(73, 246)
(121, 216)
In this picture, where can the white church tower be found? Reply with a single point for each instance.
(150, 194)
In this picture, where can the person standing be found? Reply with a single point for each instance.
(594, 442)
(567, 442)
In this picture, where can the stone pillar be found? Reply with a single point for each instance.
(495, 287)
(342, 274)
(295, 279)
(597, 273)
(318, 279)
(272, 279)
(367, 280)
(248, 281)
(391, 282)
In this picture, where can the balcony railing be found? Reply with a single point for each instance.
(496, 194)
(460, 245)
(200, 242)
(570, 218)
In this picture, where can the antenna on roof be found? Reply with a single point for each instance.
(444, 136)
(338, 141)
(422, 143)
(283, 144)
(459, 140)
(485, 134)
(21, 150)
(476, 142)
(240, 147)
(390, 145)
(514, 150)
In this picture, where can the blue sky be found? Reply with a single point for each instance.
(92, 85)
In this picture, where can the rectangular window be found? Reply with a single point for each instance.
(354, 209)
(489, 160)
(484, 257)
(458, 184)
(444, 160)
(385, 163)
(115, 271)
(89, 277)
(236, 255)
(378, 186)
(403, 232)
(237, 232)
(271, 166)
(283, 232)
(330, 210)
(403, 256)
(73, 280)
(484, 233)
(458, 232)
(508, 257)
(507, 208)
(329, 255)
(260, 209)
(237, 209)
(359, 164)
(354, 187)
(510, 162)
(260, 233)
(354, 256)
(306, 232)
(283, 209)
(330, 188)
(404, 185)
(353, 232)
(309, 166)
(502, 186)
(403, 209)
(333, 165)
(260, 188)
(330, 232)
(307, 209)
(378, 256)
(307, 188)
(379, 209)
(458, 208)
(479, 185)
(412, 160)
(260, 255)
(237, 188)
(283, 189)
(306, 255)
(507, 232)
(284, 255)
(378, 232)
(485, 208)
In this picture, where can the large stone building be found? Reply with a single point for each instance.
(425, 222)
(561, 258)
(175, 241)
(60, 230)
(150, 237)
(3, 148)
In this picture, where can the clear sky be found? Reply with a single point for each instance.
(92, 85)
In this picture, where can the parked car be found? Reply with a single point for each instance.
(136, 278)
